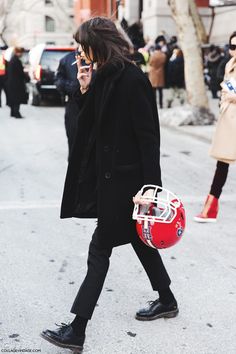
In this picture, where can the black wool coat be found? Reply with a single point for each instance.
(116, 152)
(16, 79)
(175, 73)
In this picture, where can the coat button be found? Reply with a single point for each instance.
(107, 175)
(106, 148)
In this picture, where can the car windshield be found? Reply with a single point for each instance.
(25, 58)
(50, 59)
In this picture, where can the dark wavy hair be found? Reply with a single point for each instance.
(232, 36)
(107, 44)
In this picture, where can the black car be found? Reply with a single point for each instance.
(44, 61)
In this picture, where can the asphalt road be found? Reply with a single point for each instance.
(43, 258)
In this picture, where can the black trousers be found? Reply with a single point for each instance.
(15, 110)
(160, 93)
(98, 264)
(219, 179)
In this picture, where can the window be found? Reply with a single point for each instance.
(51, 57)
(49, 24)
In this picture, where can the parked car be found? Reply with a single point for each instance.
(44, 61)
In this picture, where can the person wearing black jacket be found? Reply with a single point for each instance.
(3, 73)
(16, 83)
(220, 73)
(213, 60)
(116, 152)
(66, 83)
(175, 77)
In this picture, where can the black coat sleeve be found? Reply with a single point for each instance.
(81, 99)
(63, 83)
(146, 126)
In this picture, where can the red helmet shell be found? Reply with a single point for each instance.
(161, 234)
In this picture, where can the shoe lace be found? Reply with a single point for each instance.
(152, 302)
(62, 325)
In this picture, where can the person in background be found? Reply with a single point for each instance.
(221, 67)
(137, 57)
(116, 152)
(175, 77)
(161, 41)
(223, 147)
(172, 44)
(16, 83)
(212, 61)
(3, 74)
(145, 65)
(157, 72)
(135, 33)
(67, 83)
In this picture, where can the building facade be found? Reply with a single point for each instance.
(85, 9)
(30, 22)
(156, 16)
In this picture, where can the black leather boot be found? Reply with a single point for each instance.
(157, 310)
(64, 337)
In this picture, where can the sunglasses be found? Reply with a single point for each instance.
(232, 46)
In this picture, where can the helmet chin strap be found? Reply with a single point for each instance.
(146, 231)
(145, 224)
(150, 244)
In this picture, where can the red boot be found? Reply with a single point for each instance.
(210, 210)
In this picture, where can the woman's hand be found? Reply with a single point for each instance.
(137, 199)
(84, 75)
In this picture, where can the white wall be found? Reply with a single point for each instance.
(26, 23)
(224, 24)
(131, 11)
(156, 17)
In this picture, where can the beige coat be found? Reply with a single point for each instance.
(224, 140)
(157, 69)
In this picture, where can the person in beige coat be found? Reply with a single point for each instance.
(223, 147)
(157, 72)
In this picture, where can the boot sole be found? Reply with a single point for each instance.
(170, 314)
(204, 220)
(76, 349)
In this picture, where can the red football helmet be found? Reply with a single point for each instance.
(161, 223)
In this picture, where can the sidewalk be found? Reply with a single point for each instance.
(203, 133)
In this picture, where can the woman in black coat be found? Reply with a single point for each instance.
(115, 153)
(175, 77)
(16, 80)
